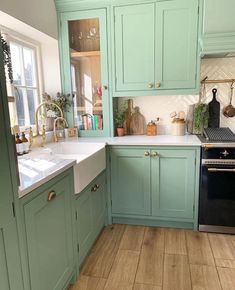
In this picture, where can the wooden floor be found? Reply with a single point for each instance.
(147, 258)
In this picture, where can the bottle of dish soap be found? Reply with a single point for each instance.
(25, 143)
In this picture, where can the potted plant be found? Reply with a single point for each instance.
(52, 111)
(7, 58)
(119, 118)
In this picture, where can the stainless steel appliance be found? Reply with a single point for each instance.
(217, 184)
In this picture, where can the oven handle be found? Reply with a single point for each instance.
(221, 170)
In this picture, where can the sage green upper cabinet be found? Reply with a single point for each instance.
(218, 28)
(84, 60)
(47, 215)
(130, 181)
(134, 47)
(155, 48)
(176, 44)
(173, 183)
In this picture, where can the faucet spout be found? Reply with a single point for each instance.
(55, 122)
(43, 105)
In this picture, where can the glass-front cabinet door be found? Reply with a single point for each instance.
(85, 70)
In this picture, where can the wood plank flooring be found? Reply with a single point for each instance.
(147, 258)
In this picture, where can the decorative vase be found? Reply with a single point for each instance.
(120, 132)
(49, 123)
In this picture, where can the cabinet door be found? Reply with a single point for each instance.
(134, 47)
(84, 224)
(10, 267)
(130, 182)
(176, 44)
(173, 183)
(49, 237)
(85, 69)
(98, 204)
(218, 17)
(218, 27)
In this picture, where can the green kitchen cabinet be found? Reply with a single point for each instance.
(47, 219)
(155, 186)
(10, 263)
(84, 224)
(134, 47)
(155, 47)
(176, 44)
(173, 183)
(90, 215)
(218, 26)
(130, 182)
(84, 64)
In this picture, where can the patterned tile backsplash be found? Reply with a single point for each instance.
(161, 106)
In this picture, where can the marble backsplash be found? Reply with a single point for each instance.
(161, 106)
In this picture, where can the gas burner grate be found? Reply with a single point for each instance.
(219, 134)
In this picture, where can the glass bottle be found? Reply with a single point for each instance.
(19, 145)
(25, 143)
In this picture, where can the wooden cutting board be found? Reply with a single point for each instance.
(137, 123)
(128, 115)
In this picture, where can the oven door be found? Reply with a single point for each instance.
(217, 193)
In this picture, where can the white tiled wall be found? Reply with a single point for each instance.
(161, 106)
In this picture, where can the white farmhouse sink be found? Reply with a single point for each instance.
(90, 159)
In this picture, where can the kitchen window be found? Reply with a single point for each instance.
(25, 87)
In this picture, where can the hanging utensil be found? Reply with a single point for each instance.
(229, 111)
(214, 112)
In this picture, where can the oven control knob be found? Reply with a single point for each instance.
(225, 153)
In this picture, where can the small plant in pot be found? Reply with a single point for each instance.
(119, 118)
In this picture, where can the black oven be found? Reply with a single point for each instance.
(217, 190)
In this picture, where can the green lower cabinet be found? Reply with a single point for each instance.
(90, 215)
(173, 183)
(130, 182)
(49, 235)
(84, 224)
(153, 185)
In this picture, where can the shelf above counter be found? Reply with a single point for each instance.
(77, 55)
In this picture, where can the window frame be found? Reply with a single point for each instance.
(21, 41)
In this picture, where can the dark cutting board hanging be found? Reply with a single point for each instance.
(214, 112)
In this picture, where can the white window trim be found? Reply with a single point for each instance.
(12, 36)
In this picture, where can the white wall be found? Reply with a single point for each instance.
(48, 46)
(40, 14)
(161, 106)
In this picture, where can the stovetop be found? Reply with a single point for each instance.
(217, 137)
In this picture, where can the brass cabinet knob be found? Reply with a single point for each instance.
(154, 154)
(51, 195)
(105, 88)
(158, 84)
(150, 85)
(146, 153)
(95, 188)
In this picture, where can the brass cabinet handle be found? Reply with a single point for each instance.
(95, 188)
(158, 84)
(154, 154)
(146, 153)
(51, 195)
(105, 88)
(150, 85)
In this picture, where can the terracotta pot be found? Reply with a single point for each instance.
(120, 132)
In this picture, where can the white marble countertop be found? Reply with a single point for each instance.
(143, 140)
(34, 171)
(36, 168)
